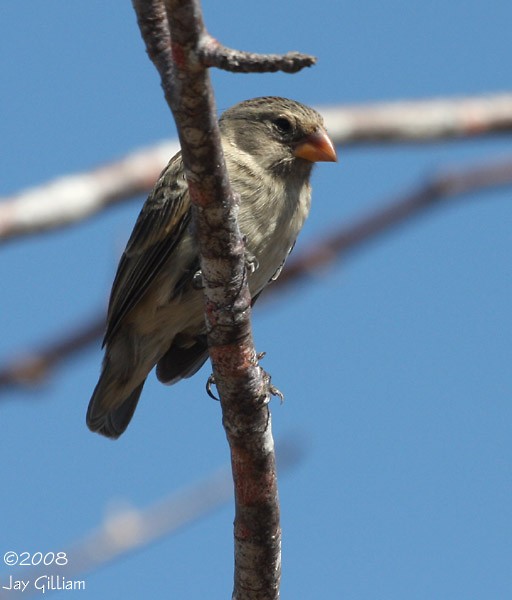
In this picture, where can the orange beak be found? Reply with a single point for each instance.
(316, 147)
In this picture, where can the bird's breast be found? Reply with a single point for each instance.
(270, 219)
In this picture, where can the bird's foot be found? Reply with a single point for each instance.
(267, 378)
(272, 390)
(251, 264)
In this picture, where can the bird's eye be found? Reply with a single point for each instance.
(283, 124)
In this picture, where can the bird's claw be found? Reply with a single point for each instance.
(209, 383)
(271, 388)
(197, 280)
(251, 262)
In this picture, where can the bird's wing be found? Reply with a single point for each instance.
(159, 227)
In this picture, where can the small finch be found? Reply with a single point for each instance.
(155, 313)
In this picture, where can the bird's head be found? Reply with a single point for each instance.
(282, 135)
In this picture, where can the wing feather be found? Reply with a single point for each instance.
(159, 227)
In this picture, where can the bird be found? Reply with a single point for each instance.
(155, 314)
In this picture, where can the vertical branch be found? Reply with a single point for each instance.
(243, 388)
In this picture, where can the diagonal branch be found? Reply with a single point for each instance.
(128, 529)
(450, 184)
(421, 120)
(32, 367)
(73, 198)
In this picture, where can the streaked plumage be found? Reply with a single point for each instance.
(155, 314)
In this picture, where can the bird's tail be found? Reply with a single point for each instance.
(107, 414)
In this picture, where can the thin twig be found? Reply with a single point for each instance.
(214, 54)
(32, 368)
(448, 184)
(128, 529)
(451, 183)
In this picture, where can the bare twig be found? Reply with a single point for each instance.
(214, 54)
(31, 368)
(71, 199)
(420, 120)
(128, 529)
(449, 184)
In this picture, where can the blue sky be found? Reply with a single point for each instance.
(395, 363)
